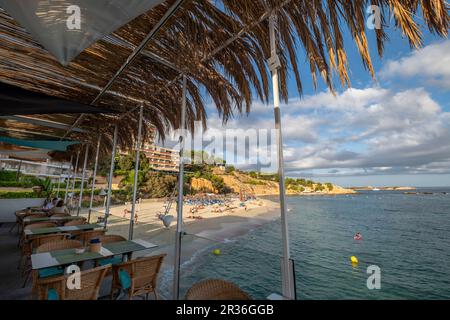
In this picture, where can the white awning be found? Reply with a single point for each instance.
(66, 28)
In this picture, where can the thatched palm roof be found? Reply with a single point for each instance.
(232, 77)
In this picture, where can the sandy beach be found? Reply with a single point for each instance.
(233, 219)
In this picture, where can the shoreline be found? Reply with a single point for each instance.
(212, 228)
(312, 194)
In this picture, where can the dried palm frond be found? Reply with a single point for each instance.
(232, 77)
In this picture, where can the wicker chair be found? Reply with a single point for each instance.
(20, 215)
(86, 236)
(111, 260)
(32, 215)
(76, 222)
(32, 243)
(36, 225)
(59, 245)
(216, 289)
(91, 281)
(47, 247)
(111, 238)
(36, 242)
(143, 274)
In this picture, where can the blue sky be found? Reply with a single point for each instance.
(391, 131)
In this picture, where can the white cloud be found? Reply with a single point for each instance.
(372, 130)
(400, 130)
(431, 63)
(350, 99)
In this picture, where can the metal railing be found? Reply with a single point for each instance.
(39, 169)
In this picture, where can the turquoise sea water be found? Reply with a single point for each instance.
(407, 236)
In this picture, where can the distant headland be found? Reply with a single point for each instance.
(368, 188)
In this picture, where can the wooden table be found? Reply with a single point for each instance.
(82, 227)
(50, 219)
(33, 210)
(69, 256)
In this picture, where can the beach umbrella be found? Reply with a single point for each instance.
(66, 28)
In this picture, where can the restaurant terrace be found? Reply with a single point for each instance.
(82, 79)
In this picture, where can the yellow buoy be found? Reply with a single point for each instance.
(353, 259)
(216, 252)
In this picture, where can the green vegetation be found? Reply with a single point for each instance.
(151, 183)
(18, 194)
(254, 182)
(154, 184)
(229, 169)
(62, 185)
(8, 175)
(319, 187)
(8, 180)
(16, 184)
(296, 184)
(121, 172)
(46, 187)
(219, 184)
(296, 188)
(159, 185)
(300, 185)
(263, 176)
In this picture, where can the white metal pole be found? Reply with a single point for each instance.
(18, 170)
(74, 178)
(136, 172)
(83, 176)
(93, 178)
(111, 173)
(177, 260)
(287, 272)
(59, 182)
(68, 181)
